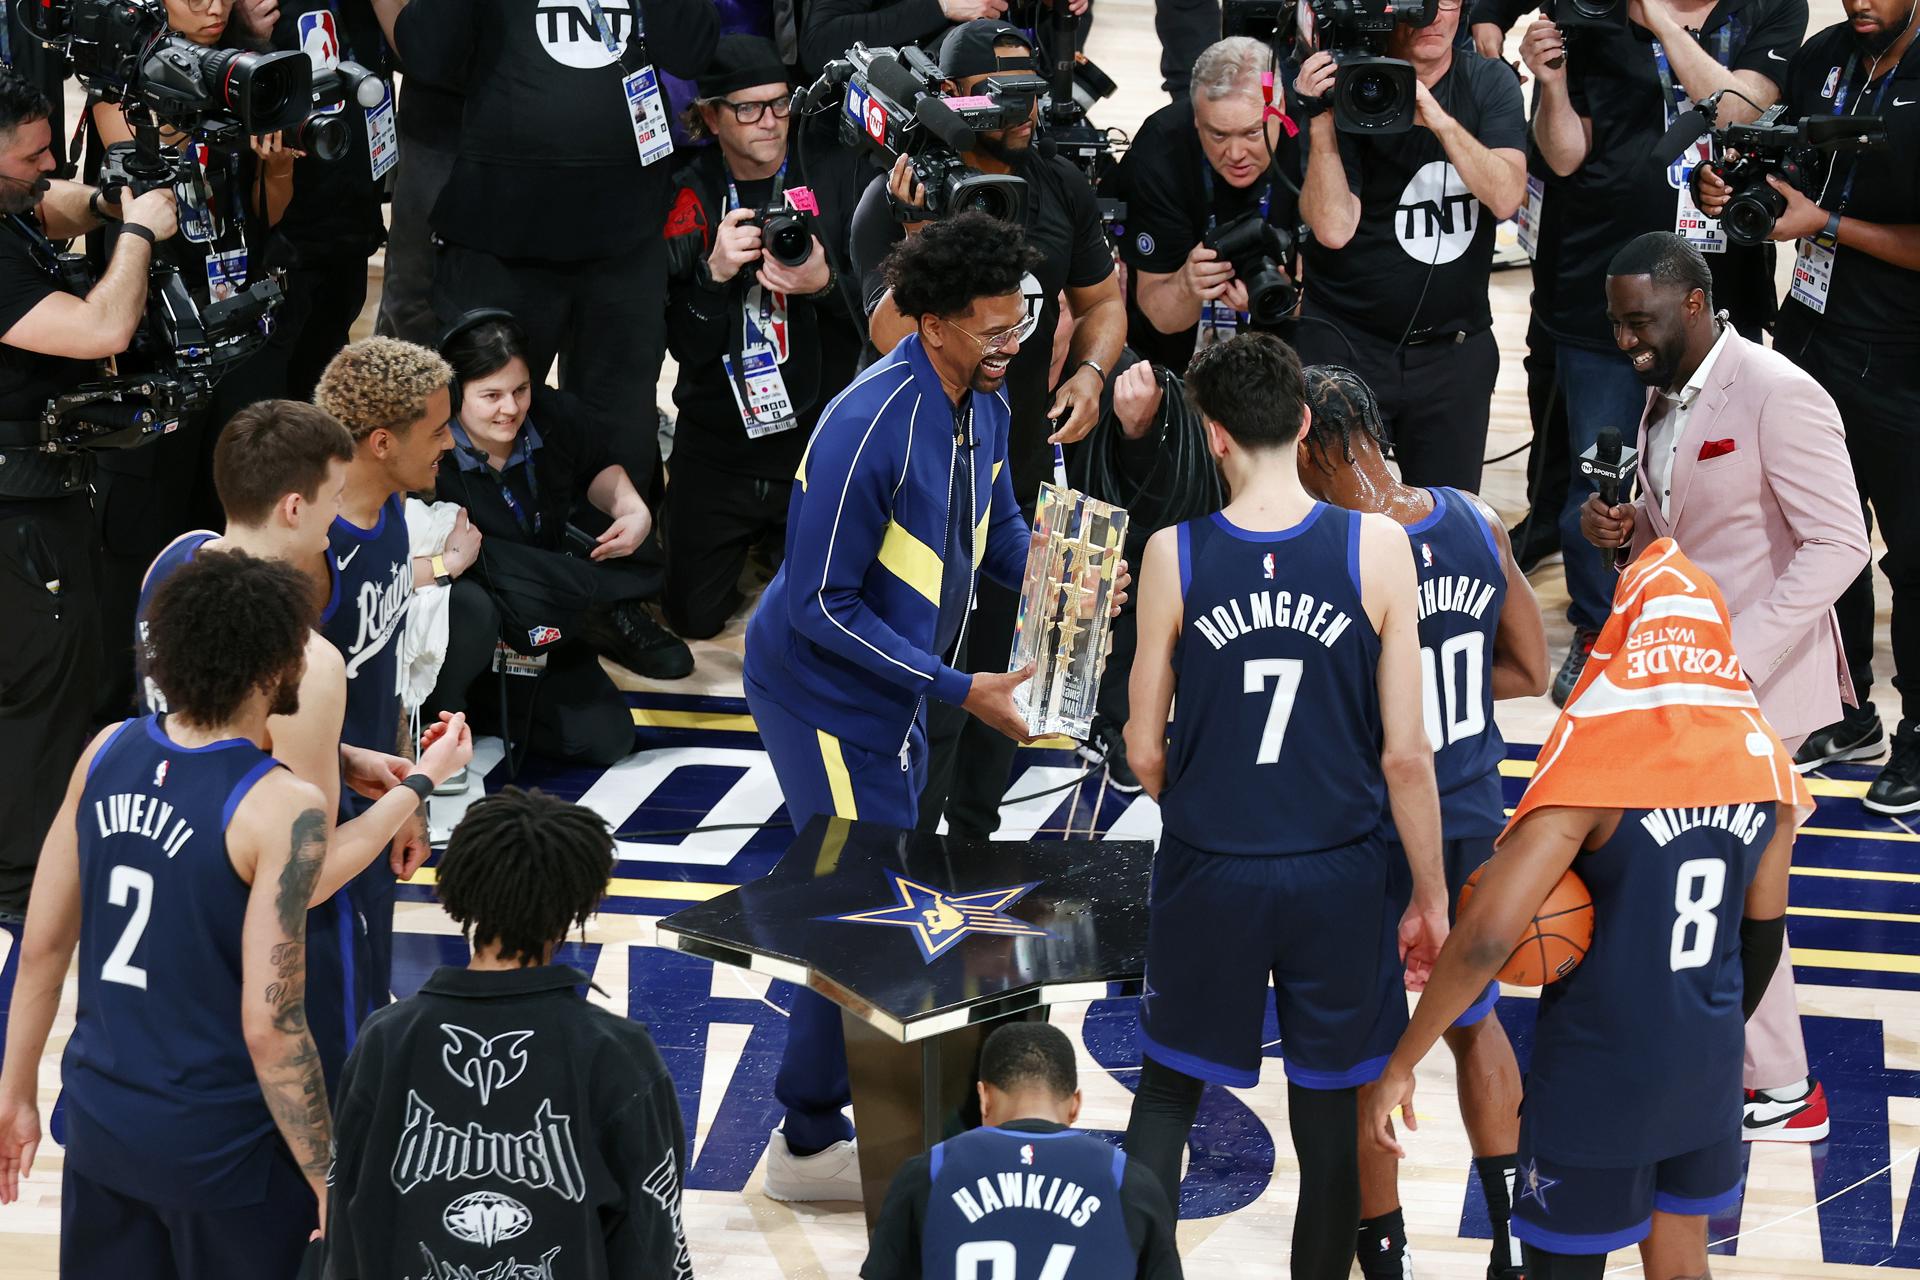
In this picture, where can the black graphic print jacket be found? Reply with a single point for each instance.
(497, 1126)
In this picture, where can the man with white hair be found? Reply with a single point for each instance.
(1197, 166)
(1402, 244)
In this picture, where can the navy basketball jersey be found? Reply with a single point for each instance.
(1018, 1205)
(1275, 741)
(1462, 589)
(179, 552)
(162, 1102)
(372, 572)
(1651, 1018)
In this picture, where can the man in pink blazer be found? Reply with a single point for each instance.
(1743, 462)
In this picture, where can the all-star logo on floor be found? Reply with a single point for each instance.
(939, 920)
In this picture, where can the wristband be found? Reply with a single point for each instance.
(1095, 366)
(1829, 236)
(135, 229)
(441, 578)
(420, 784)
(93, 207)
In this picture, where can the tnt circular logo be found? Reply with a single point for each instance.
(573, 37)
(1437, 215)
(1144, 243)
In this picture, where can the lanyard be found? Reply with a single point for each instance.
(605, 28)
(1266, 196)
(1840, 97)
(733, 202)
(1673, 96)
(533, 494)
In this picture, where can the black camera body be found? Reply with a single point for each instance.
(1257, 249)
(786, 234)
(891, 104)
(1769, 147)
(1372, 93)
(326, 130)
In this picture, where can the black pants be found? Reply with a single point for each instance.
(1435, 397)
(1548, 462)
(968, 763)
(104, 1233)
(48, 669)
(406, 292)
(1185, 29)
(1877, 387)
(571, 711)
(714, 518)
(602, 319)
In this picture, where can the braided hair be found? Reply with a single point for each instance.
(1341, 401)
(523, 869)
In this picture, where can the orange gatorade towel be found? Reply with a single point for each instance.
(1663, 716)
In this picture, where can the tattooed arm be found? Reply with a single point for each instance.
(283, 830)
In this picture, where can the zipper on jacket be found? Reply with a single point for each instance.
(946, 536)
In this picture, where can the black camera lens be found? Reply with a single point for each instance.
(323, 134)
(1750, 214)
(1595, 10)
(1269, 295)
(787, 238)
(1373, 92)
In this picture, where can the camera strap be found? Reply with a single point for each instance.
(752, 365)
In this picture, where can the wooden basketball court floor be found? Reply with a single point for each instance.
(1835, 1209)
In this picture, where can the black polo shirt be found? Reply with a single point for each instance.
(1418, 222)
(1870, 298)
(1624, 190)
(1173, 197)
(562, 447)
(1063, 223)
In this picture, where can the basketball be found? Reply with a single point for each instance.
(1556, 942)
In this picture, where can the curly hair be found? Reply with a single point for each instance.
(273, 448)
(21, 101)
(380, 384)
(1341, 401)
(522, 869)
(225, 625)
(1252, 386)
(955, 260)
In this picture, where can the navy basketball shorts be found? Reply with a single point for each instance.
(1574, 1210)
(1321, 925)
(1461, 858)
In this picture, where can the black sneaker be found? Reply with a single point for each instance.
(1576, 662)
(1106, 747)
(1856, 735)
(1897, 789)
(1536, 541)
(630, 635)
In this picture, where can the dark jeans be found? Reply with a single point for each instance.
(1185, 28)
(1547, 462)
(968, 763)
(48, 670)
(1877, 388)
(713, 518)
(602, 319)
(1600, 391)
(406, 295)
(1434, 397)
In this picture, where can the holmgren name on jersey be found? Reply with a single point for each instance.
(1300, 612)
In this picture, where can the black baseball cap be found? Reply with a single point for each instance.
(969, 49)
(741, 62)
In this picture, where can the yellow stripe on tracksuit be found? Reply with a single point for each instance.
(839, 782)
(912, 561)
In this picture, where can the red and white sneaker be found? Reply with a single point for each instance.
(1801, 1118)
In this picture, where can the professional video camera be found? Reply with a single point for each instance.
(1768, 147)
(1372, 93)
(892, 104)
(1074, 85)
(1257, 249)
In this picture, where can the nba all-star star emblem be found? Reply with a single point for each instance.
(1534, 1184)
(939, 920)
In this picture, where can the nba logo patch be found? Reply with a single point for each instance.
(1833, 82)
(1266, 566)
(319, 40)
(1026, 1153)
(160, 774)
(1426, 554)
(1144, 243)
(537, 636)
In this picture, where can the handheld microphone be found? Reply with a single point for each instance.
(1611, 467)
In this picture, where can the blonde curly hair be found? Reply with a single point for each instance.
(380, 384)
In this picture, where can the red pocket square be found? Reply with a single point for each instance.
(1715, 449)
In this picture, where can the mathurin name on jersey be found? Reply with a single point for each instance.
(1027, 1191)
(1301, 612)
(1460, 594)
(1744, 820)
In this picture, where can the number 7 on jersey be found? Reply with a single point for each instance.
(1285, 674)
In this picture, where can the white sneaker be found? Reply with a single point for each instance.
(833, 1174)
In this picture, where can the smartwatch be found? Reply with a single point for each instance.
(441, 578)
(1828, 236)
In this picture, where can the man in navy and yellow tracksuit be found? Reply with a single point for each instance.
(904, 498)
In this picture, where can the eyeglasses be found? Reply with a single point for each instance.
(749, 112)
(994, 343)
(203, 7)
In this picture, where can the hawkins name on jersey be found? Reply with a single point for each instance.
(1049, 1194)
(1265, 609)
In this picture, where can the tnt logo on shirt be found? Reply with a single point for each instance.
(1437, 215)
(320, 40)
(572, 38)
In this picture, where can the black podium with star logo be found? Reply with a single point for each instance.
(927, 942)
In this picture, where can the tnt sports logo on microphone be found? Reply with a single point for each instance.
(572, 38)
(1437, 215)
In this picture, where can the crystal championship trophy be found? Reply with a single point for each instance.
(1063, 628)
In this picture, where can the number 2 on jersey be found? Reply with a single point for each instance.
(996, 1259)
(122, 883)
(1285, 674)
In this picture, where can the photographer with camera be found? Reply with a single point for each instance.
(49, 549)
(1852, 320)
(1608, 89)
(1383, 208)
(1061, 220)
(758, 321)
(1184, 287)
(572, 120)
